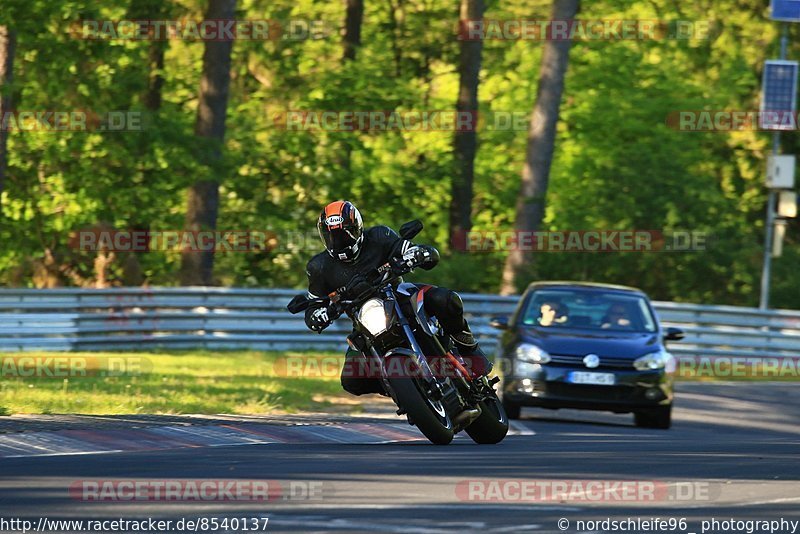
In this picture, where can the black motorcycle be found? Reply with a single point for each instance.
(417, 363)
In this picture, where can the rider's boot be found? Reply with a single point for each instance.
(472, 354)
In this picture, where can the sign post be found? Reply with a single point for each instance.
(778, 98)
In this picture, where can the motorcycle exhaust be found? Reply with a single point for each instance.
(465, 418)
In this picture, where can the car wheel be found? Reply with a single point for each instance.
(512, 410)
(660, 417)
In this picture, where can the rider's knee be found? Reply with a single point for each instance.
(446, 301)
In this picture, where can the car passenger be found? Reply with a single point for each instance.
(617, 317)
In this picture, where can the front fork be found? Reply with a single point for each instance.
(454, 393)
(457, 394)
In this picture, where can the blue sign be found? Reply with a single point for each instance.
(785, 10)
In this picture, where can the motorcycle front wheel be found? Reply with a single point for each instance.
(428, 415)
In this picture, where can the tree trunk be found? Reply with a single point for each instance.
(132, 273)
(8, 45)
(153, 10)
(541, 141)
(155, 84)
(354, 17)
(203, 197)
(396, 20)
(465, 143)
(352, 28)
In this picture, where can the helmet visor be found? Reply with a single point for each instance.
(339, 239)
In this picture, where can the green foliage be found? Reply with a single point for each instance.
(617, 165)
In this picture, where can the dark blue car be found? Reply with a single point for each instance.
(587, 346)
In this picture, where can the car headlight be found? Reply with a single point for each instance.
(372, 316)
(659, 359)
(530, 353)
(526, 369)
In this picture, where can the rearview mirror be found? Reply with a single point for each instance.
(297, 304)
(410, 229)
(673, 334)
(501, 323)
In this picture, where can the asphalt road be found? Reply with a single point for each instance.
(733, 453)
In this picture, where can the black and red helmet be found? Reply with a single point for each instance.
(341, 229)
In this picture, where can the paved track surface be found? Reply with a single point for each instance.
(733, 452)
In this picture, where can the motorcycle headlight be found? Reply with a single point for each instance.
(659, 359)
(373, 317)
(527, 352)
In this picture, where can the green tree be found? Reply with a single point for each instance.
(541, 143)
(203, 197)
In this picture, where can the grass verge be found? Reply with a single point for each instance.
(239, 382)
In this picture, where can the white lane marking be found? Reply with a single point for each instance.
(46, 442)
(315, 434)
(521, 429)
(76, 453)
(449, 506)
(116, 451)
(517, 528)
(330, 523)
(773, 501)
(354, 526)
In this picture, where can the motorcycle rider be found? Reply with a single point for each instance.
(350, 253)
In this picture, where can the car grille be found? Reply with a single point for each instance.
(606, 362)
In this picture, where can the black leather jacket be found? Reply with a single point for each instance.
(326, 274)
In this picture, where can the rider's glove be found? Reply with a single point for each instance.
(412, 257)
(319, 319)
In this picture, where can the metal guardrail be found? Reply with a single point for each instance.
(233, 318)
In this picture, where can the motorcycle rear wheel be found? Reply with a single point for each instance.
(492, 425)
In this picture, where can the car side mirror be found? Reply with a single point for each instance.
(501, 323)
(411, 229)
(298, 303)
(674, 334)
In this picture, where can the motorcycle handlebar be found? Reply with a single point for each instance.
(386, 271)
(337, 297)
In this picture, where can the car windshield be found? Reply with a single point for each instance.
(588, 310)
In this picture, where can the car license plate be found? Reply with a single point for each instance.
(597, 379)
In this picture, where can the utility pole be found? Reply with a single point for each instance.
(779, 100)
(769, 234)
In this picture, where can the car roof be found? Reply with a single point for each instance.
(566, 284)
